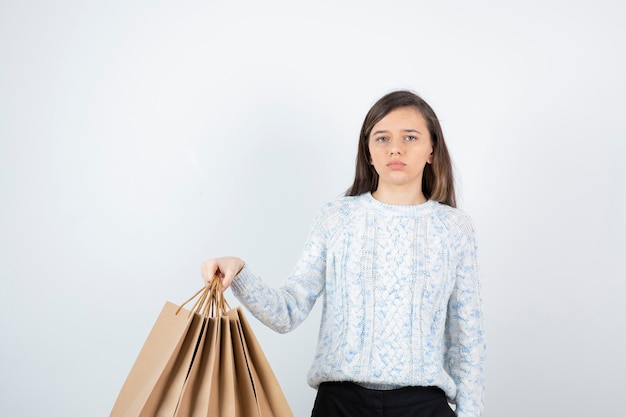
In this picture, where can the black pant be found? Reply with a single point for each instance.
(346, 399)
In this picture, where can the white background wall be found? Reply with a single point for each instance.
(138, 138)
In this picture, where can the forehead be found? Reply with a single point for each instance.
(401, 119)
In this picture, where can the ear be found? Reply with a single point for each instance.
(431, 157)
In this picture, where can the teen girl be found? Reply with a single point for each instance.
(395, 264)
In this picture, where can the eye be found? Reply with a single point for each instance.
(410, 138)
(382, 139)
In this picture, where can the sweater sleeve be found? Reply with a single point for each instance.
(283, 309)
(465, 338)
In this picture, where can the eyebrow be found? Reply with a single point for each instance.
(378, 132)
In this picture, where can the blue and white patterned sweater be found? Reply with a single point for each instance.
(401, 298)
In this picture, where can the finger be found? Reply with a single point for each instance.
(234, 268)
(227, 280)
(209, 269)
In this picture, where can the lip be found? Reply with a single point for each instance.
(396, 164)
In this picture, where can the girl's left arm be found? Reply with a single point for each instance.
(465, 336)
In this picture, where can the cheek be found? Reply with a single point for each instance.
(372, 155)
(374, 158)
(375, 151)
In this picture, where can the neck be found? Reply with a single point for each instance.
(399, 197)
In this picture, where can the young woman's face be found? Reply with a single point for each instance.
(400, 147)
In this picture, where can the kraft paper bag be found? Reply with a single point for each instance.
(270, 397)
(201, 362)
(201, 391)
(156, 372)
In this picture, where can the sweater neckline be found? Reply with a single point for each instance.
(397, 209)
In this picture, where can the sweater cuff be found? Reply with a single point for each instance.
(244, 282)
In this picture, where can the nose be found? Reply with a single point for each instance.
(395, 148)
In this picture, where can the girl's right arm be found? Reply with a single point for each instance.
(281, 309)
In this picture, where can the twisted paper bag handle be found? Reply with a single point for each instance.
(211, 302)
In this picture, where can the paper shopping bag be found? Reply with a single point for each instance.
(201, 362)
(269, 396)
(157, 370)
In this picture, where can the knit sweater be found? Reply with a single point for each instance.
(401, 298)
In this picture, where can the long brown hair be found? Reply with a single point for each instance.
(438, 179)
